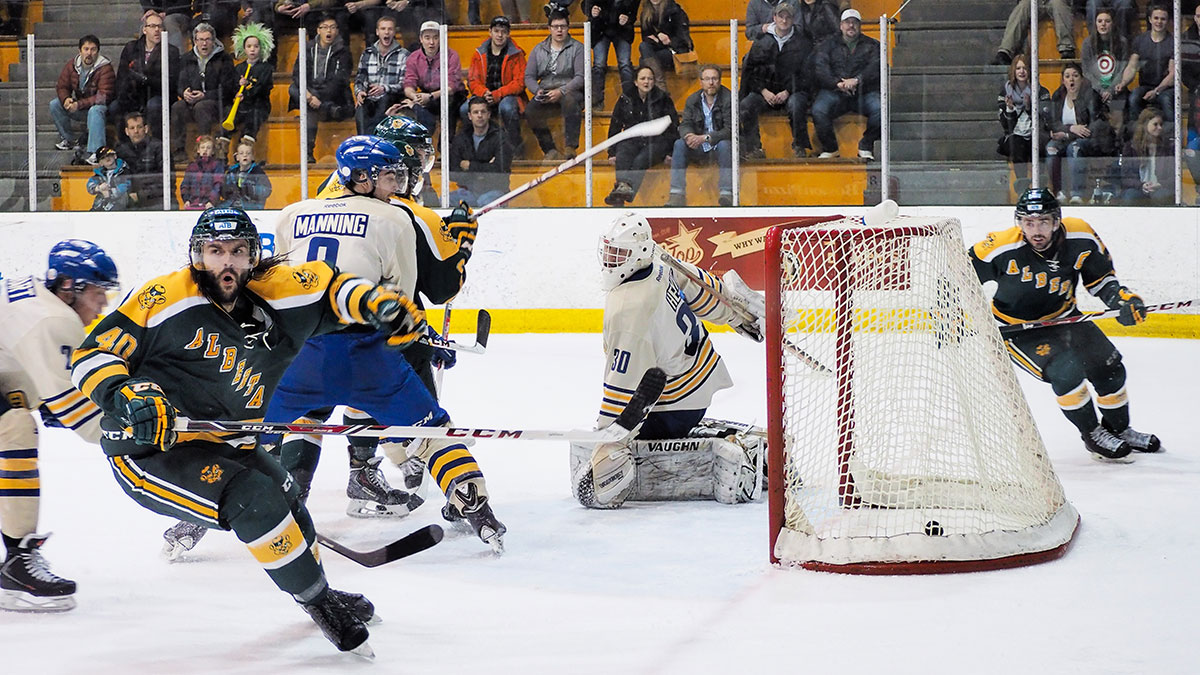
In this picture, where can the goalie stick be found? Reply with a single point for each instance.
(425, 538)
(645, 396)
(1092, 316)
(649, 128)
(742, 313)
(482, 329)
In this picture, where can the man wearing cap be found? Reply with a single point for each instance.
(380, 80)
(847, 72)
(776, 77)
(497, 73)
(423, 80)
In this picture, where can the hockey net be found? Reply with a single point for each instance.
(905, 442)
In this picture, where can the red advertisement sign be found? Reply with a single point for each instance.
(719, 244)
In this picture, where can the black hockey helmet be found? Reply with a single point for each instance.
(223, 224)
(1038, 202)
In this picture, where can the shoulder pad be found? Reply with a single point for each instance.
(998, 242)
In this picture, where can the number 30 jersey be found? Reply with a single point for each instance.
(361, 235)
(653, 319)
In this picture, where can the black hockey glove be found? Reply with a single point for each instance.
(462, 226)
(143, 407)
(441, 357)
(1133, 310)
(389, 310)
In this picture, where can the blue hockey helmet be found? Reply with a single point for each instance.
(360, 157)
(81, 262)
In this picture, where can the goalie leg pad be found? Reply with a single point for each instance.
(605, 479)
(20, 486)
(737, 465)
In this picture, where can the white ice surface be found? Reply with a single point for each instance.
(650, 588)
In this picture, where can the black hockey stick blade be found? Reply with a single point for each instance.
(483, 327)
(645, 396)
(415, 542)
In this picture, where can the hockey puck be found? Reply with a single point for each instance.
(934, 529)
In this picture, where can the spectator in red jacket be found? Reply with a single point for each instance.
(85, 86)
(497, 74)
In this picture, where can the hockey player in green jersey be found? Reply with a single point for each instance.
(211, 341)
(1037, 265)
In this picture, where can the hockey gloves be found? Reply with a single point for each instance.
(441, 358)
(750, 303)
(391, 311)
(144, 409)
(1133, 310)
(462, 227)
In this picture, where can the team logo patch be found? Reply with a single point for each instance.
(212, 473)
(282, 545)
(155, 295)
(1043, 350)
(306, 278)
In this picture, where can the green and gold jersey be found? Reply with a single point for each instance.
(1032, 286)
(212, 365)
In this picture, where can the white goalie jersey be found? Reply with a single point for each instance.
(359, 235)
(654, 319)
(38, 333)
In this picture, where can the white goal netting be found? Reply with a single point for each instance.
(906, 442)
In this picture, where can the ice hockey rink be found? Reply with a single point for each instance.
(649, 588)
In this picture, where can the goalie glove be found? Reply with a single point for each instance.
(462, 227)
(389, 310)
(144, 409)
(1133, 310)
(749, 301)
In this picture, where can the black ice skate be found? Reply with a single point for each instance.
(339, 623)
(372, 497)
(1107, 447)
(28, 585)
(363, 608)
(480, 518)
(181, 538)
(1137, 440)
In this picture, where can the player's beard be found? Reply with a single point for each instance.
(223, 287)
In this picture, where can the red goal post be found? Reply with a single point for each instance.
(912, 450)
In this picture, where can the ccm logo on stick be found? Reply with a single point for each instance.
(483, 433)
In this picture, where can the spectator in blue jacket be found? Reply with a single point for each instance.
(110, 182)
(246, 184)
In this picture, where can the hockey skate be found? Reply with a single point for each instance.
(1137, 440)
(372, 497)
(181, 538)
(413, 470)
(28, 585)
(1107, 447)
(340, 623)
(363, 608)
(479, 517)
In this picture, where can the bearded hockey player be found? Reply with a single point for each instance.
(1037, 265)
(652, 317)
(40, 324)
(211, 341)
(364, 233)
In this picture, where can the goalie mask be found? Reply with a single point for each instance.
(626, 248)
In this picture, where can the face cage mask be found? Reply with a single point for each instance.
(197, 251)
(612, 256)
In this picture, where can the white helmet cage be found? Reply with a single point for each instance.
(626, 248)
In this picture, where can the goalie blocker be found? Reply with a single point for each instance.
(712, 462)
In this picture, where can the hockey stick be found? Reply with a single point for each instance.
(742, 313)
(445, 334)
(650, 128)
(482, 329)
(1092, 316)
(425, 538)
(645, 396)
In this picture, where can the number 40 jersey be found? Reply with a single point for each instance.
(653, 319)
(360, 235)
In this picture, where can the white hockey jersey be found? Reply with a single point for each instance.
(653, 319)
(38, 333)
(359, 235)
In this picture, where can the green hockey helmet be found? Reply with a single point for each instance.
(400, 129)
(1038, 202)
(223, 224)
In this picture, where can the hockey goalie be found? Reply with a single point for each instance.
(652, 317)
